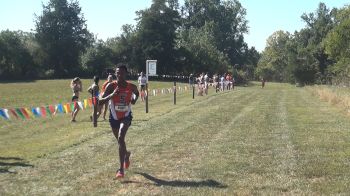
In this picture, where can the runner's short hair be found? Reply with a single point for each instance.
(122, 66)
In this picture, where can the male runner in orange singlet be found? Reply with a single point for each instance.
(120, 94)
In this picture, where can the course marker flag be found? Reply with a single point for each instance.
(30, 114)
(52, 109)
(13, 112)
(43, 112)
(38, 111)
(24, 112)
(19, 112)
(35, 112)
(80, 105)
(2, 114)
(72, 106)
(69, 110)
(85, 103)
(60, 108)
(48, 112)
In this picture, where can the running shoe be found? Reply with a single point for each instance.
(119, 174)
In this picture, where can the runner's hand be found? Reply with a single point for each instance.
(116, 91)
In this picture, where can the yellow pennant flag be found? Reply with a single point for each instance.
(30, 113)
(85, 103)
(65, 108)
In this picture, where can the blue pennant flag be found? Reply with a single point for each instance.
(2, 114)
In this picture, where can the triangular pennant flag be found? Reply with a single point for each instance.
(2, 114)
(35, 112)
(43, 111)
(69, 106)
(69, 110)
(85, 103)
(90, 102)
(48, 111)
(73, 105)
(80, 105)
(56, 109)
(31, 115)
(38, 111)
(13, 112)
(60, 108)
(52, 109)
(24, 112)
(65, 108)
(7, 113)
(20, 113)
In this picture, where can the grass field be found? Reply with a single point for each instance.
(272, 141)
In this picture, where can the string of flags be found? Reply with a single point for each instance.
(67, 108)
(44, 111)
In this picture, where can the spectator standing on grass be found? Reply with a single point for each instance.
(142, 80)
(216, 82)
(191, 80)
(228, 82)
(206, 83)
(76, 87)
(94, 90)
(222, 83)
(120, 94)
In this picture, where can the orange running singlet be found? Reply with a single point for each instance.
(120, 104)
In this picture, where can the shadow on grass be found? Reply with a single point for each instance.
(181, 183)
(7, 162)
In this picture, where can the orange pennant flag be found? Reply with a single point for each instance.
(69, 110)
(24, 112)
(90, 102)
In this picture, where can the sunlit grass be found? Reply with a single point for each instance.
(272, 141)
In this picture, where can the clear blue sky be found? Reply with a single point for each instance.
(105, 17)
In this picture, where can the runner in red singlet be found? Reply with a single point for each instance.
(120, 94)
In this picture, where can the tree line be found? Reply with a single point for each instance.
(318, 53)
(198, 36)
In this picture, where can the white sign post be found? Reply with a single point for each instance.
(151, 70)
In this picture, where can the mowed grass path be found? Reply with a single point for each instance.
(277, 140)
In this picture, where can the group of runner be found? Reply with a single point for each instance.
(219, 82)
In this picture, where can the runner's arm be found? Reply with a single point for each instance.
(136, 92)
(108, 94)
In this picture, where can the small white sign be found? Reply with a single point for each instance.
(152, 67)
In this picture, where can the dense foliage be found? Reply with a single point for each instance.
(198, 36)
(318, 53)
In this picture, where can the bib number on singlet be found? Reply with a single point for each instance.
(121, 108)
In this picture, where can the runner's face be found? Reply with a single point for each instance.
(120, 73)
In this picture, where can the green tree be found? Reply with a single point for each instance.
(204, 55)
(228, 25)
(156, 35)
(97, 58)
(62, 35)
(15, 60)
(274, 60)
(318, 25)
(337, 45)
(126, 49)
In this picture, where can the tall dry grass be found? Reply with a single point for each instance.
(334, 95)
